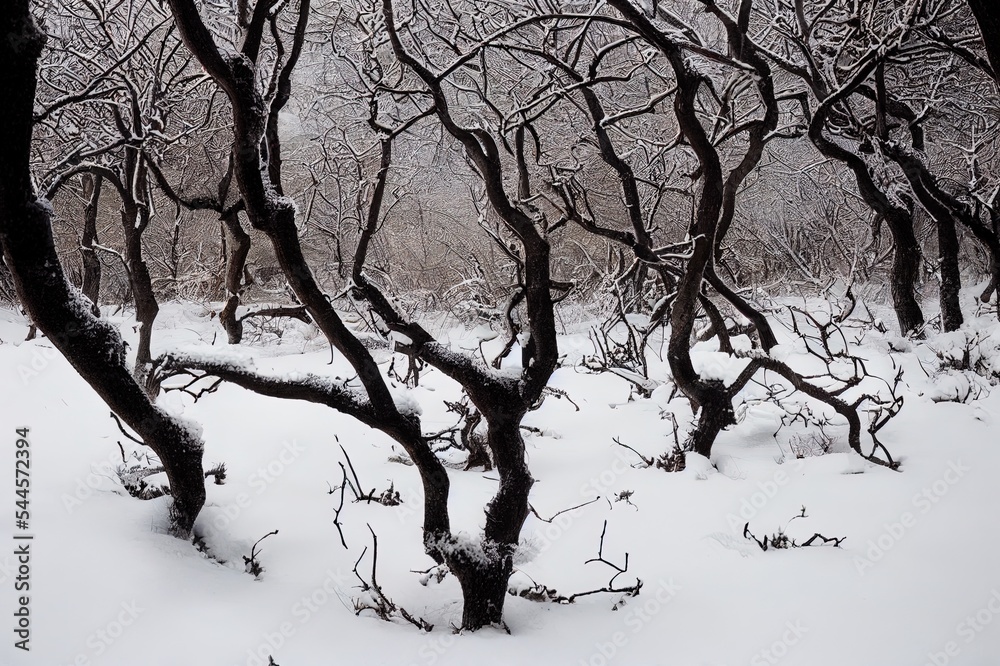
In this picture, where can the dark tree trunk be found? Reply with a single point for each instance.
(715, 414)
(134, 190)
(947, 210)
(484, 589)
(951, 275)
(146, 307)
(275, 217)
(640, 241)
(756, 317)
(91, 264)
(93, 347)
(717, 326)
(991, 286)
(992, 243)
(991, 239)
(899, 218)
(485, 569)
(238, 248)
(714, 204)
(174, 266)
(475, 442)
(906, 257)
(437, 486)
(484, 575)
(502, 402)
(509, 507)
(988, 16)
(905, 274)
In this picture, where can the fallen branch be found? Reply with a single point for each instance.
(295, 312)
(538, 592)
(383, 607)
(559, 513)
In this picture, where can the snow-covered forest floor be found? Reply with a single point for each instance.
(915, 580)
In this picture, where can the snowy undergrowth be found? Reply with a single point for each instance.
(918, 561)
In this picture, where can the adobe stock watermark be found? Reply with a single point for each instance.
(605, 482)
(766, 491)
(301, 612)
(101, 640)
(603, 485)
(100, 474)
(776, 651)
(259, 480)
(411, 504)
(107, 470)
(640, 612)
(967, 630)
(8, 569)
(41, 357)
(923, 502)
(434, 647)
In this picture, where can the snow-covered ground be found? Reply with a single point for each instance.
(915, 582)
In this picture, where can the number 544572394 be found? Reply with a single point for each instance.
(22, 477)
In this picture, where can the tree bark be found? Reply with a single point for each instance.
(91, 264)
(502, 402)
(715, 414)
(484, 575)
(274, 215)
(906, 257)
(238, 248)
(988, 17)
(905, 273)
(951, 275)
(716, 202)
(92, 346)
(899, 218)
(484, 588)
(945, 207)
(146, 306)
(133, 186)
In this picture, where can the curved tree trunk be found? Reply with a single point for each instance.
(502, 402)
(135, 214)
(238, 248)
(92, 346)
(275, 217)
(992, 243)
(948, 210)
(756, 317)
(485, 567)
(146, 307)
(715, 204)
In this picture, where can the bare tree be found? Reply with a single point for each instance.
(132, 100)
(92, 346)
(483, 568)
(833, 75)
(873, 90)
